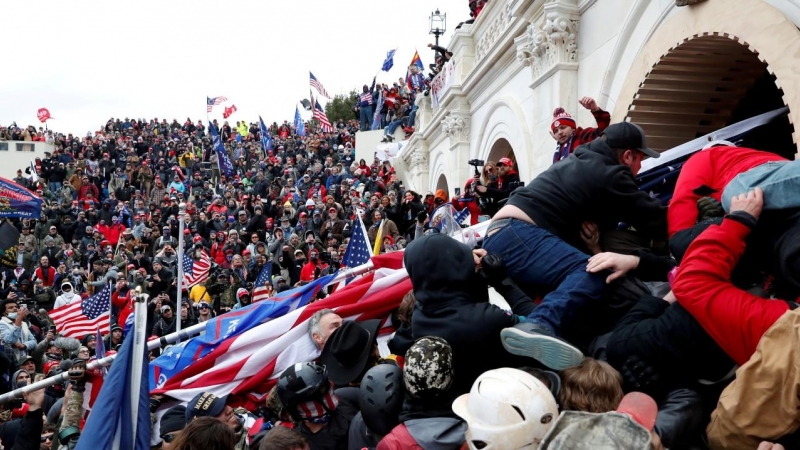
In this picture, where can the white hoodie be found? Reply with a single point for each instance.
(66, 298)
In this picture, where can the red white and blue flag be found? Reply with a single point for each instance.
(195, 272)
(318, 86)
(211, 102)
(260, 289)
(78, 319)
(324, 123)
(248, 364)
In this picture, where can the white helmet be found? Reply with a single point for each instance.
(506, 408)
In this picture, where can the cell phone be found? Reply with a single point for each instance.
(53, 329)
(458, 191)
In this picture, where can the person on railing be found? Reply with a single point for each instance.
(570, 136)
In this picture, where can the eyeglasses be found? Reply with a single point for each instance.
(204, 307)
(168, 438)
(49, 437)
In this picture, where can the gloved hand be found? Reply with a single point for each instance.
(708, 207)
(155, 402)
(493, 268)
(638, 375)
(77, 375)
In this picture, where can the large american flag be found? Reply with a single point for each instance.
(249, 364)
(318, 86)
(195, 272)
(260, 291)
(211, 102)
(78, 319)
(324, 123)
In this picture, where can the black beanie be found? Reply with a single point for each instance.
(787, 254)
(173, 420)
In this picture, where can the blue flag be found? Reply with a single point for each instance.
(17, 201)
(266, 139)
(223, 161)
(228, 326)
(298, 123)
(111, 423)
(389, 61)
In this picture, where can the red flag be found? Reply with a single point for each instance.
(43, 114)
(228, 111)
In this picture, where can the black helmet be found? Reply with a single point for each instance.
(301, 383)
(381, 399)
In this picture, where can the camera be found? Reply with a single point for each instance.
(476, 162)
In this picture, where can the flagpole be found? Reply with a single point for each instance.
(139, 348)
(181, 224)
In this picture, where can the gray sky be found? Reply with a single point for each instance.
(89, 60)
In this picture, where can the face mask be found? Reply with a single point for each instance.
(12, 316)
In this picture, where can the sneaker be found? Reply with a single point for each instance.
(534, 341)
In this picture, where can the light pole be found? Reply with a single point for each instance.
(438, 24)
(181, 224)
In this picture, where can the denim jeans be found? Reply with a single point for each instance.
(54, 186)
(389, 130)
(412, 116)
(365, 115)
(535, 256)
(779, 180)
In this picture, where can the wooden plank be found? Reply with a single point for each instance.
(689, 93)
(670, 128)
(708, 82)
(670, 102)
(718, 70)
(681, 117)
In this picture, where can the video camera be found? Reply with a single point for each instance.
(475, 163)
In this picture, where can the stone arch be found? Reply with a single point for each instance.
(441, 183)
(711, 38)
(438, 172)
(505, 122)
(501, 149)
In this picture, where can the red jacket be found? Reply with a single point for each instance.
(111, 232)
(707, 173)
(399, 439)
(47, 278)
(124, 304)
(735, 319)
(218, 253)
(459, 203)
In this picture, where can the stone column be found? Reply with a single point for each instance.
(456, 126)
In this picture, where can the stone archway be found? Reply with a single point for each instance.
(501, 149)
(441, 183)
(711, 65)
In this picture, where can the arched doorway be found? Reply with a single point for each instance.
(441, 183)
(706, 83)
(501, 149)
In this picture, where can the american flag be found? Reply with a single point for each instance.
(195, 272)
(260, 291)
(249, 364)
(318, 86)
(324, 123)
(358, 250)
(212, 102)
(81, 318)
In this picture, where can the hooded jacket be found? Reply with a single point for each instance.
(66, 298)
(589, 185)
(452, 303)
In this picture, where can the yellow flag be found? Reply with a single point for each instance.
(378, 238)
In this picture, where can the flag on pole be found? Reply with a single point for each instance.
(324, 123)
(228, 111)
(195, 272)
(116, 421)
(415, 61)
(78, 319)
(318, 86)
(389, 61)
(358, 251)
(182, 361)
(378, 238)
(223, 161)
(266, 139)
(260, 290)
(299, 126)
(34, 175)
(248, 365)
(376, 116)
(211, 102)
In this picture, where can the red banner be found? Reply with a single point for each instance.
(228, 111)
(43, 114)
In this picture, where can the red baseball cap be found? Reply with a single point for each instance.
(505, 161)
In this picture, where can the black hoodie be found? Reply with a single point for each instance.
(452, 303)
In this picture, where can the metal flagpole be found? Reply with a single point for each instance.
(181, 224)
(139, 345)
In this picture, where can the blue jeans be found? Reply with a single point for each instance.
(779, 180)
(535, 256)
(54, 186)
(412, 116)
(365, 115)
(389, 130)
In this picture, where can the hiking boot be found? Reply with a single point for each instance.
(535, 341)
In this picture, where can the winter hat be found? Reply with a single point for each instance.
(441, 194)
(173, 420)
(204, 404)
(241, 292)
(428, 370)
(561, 117)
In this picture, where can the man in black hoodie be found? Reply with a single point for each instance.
(538, 230)
(452, 302)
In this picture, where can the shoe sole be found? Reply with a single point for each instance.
(551, 352)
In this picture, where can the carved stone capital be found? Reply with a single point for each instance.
(456, 126)
(551, 40)
(419, 160)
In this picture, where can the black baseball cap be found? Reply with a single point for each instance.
(628, 135)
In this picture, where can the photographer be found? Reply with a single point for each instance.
(18, 339)
(507, 181)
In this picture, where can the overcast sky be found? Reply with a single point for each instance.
(90, 60)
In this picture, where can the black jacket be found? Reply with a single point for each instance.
(671, 340)
(590, 185)
(452, 303)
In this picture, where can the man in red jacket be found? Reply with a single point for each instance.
(734, 318)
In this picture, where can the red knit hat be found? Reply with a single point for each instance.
(561, 117)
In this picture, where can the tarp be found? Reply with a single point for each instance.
(17, 201)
